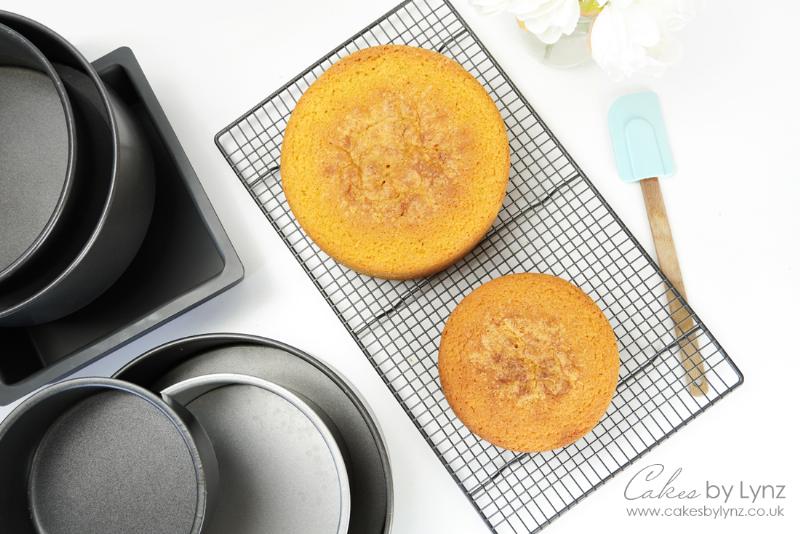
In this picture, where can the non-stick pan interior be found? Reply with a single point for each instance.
(91, 187)
(97, 459)
(37, 140)
(97, 471)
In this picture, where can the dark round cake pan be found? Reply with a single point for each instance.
(116, 194)
(97, 455)
(38, 145)
(369, 473)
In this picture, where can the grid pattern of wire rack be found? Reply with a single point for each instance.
(553, 220)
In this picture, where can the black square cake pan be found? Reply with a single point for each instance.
(185, 259)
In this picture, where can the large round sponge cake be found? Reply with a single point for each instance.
(395, 161)
(528, 362)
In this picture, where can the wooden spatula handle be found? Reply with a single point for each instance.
(691, 358)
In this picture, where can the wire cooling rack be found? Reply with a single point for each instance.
(553, 220)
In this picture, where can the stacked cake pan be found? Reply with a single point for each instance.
(210, 434)
(76, 183)
(105, 229)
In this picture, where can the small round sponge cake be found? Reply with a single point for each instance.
(528, 362)
(395, 161)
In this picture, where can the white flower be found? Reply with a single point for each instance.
(547, 19)
(632, 36)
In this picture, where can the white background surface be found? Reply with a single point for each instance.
(734, 121)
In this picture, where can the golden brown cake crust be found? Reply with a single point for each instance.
(528, 362)
(395, 161)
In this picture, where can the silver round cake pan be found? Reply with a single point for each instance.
(282, 468)
(369, 473)
(97, 455)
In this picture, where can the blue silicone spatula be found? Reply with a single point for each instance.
(642, 152)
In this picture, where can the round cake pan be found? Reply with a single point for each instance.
(369, 473)
(117, 196)
(97, 455)
(281, 467)
(38, 143)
